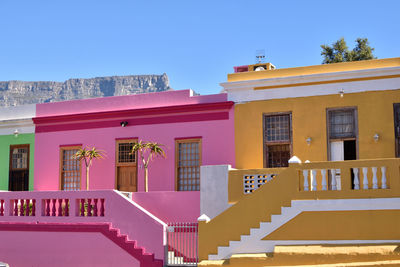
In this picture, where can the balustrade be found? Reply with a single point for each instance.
(56, 207)
(89, 207)
(20, 207)
(314, 179)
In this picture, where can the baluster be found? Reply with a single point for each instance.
(1, 207)
(102, 208)
(28, 202)
(33, 207)
(305, 175)
(82, 207)
(356, 180)
(22, 208)
(89, 209)
(47, 207)
(365, 179)
(15, 207)
(66, 210)
(383, 170)
(53, 208)
(333, 180)
(60, 209)
(95, 207)
(374, 178)
(323, 181)
(314, 180)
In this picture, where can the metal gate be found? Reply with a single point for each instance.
(182, 244)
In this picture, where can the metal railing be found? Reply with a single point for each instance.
(182, 248)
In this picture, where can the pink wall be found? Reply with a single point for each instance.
(170, 206)
(217, 141)
(49, 249)
(150, 100)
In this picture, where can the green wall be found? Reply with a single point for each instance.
(5, 142)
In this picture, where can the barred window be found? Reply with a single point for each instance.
(397, 127)
(19, 158)
(124, 152)
(277, 140)
(188, 161)
(342, 124)
(70, 169)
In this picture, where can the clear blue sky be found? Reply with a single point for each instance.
(195, 42)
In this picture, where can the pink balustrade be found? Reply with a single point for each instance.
(108, 206)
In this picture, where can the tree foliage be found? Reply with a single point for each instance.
(147, 152)
(87, 155)
(339, 52)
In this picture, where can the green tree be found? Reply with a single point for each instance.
(339, 51)
(147, 152)
(87, 155)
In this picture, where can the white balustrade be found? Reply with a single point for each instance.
(374, 178)
(313, 180)
(333, 180)
(365, 179)
(383, 170)
(305, 175)
(356, 180)
(323, 181)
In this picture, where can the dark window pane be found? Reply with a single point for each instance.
(278, 156)
(342, 123)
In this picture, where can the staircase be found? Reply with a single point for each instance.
(145, 259)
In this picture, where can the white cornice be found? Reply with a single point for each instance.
(8, 127)
(322, 77)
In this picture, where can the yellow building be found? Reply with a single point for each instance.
(338, 111)
(342, 122)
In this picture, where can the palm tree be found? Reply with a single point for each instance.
(87, 155)
(147, 152)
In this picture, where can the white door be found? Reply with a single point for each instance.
(337, 154)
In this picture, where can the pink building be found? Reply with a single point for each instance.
(195, 131)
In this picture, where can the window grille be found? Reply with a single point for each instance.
(70, 170)
(124, 153)
(188, 157)
(20, 158)
(277, 139)
(397, 127)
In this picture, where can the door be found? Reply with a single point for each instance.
(19, 168)
(126, 166)
(342, 137)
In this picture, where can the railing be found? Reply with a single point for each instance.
(348, 175)
(182, 244)
(83, 207)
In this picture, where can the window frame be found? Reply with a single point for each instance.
(117, 164)
(181, 141)
(328, 129)
(396, 133)
(271, 143)
(62, 149)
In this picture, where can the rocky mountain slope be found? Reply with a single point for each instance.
(14, 93)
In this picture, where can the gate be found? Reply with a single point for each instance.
(182, 244)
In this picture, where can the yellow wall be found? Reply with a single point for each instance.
(307, 70)
(375, 115)
(341, 225)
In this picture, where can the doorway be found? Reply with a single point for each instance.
(19, 168)
(126, 166)
(342, 138)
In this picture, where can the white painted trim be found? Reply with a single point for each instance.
(314, 90)
(320, 77)
(253, 243)
(7, 127)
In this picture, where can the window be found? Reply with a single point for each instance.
(277, 140)
(70, 172)
(188, 161)
(342, 124)
(397, 127)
